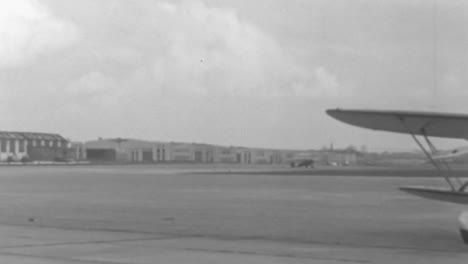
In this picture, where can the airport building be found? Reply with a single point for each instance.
(243, 155)
(126, 150)
(138, 151)
(288, 156)
(203, 153)
(335, 157)
(77, 151)
(134, 151)
(261, 156)
(160, 152)
(225, 154)
(267, 156)
(30, 146)
(341, 157)
(325, 157)
(182, 152)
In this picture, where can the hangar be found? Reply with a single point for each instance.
(22, 146)
(128, 150)
(125, 150)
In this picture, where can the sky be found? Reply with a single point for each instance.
(231, 72)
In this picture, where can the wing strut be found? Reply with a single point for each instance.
(434, 150)
(428, 155)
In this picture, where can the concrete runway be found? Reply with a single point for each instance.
(145, 214)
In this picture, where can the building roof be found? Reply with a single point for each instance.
(30, 136)
(114, 143)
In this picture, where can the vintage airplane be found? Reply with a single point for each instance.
(306, 163)
(425, 124)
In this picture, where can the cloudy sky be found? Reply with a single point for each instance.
(232, 72)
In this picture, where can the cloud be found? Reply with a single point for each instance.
(28, 29)
(163, 67)
(321, 83)
(205, 50)
(94, 87)
(187, 49)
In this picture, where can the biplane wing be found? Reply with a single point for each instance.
(426, 124)
(417, 123)
(437, 194)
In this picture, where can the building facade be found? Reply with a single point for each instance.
(136, 151)
(339, 157)
(77, 151)
(126, 150)
(225, 154)
(203, 153)
(243, 155)
(182, 152)
(31, 146)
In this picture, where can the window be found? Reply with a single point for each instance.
(59, 143)
(42, 143)
(51, 143)
(22, 145)
(33, 142)
(11, 142)
(4, 145)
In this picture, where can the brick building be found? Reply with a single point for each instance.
(18, 146)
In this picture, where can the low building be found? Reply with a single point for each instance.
(77, 151)
(262, 156)
(161, 152)
(276, 157)
(135, 151)
(124, 150)
(182, 152)
(203, 153)
(340, 157)
(22, 146)
(225, 154)
(132, 150)
(288, 156)
(243, 155)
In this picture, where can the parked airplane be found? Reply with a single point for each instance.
(425, 124)
(306, 163)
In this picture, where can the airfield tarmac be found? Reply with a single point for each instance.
(161, 214)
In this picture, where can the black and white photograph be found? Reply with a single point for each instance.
(233, 131)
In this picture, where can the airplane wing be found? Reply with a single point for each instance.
(437, 194)
(426, 124)
(408, 122)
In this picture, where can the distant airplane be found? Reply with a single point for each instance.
(307, 163)
(425, 124)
